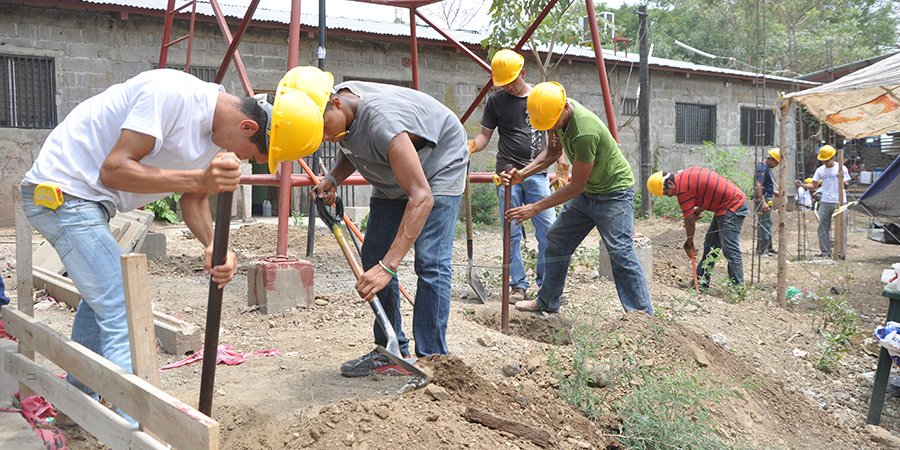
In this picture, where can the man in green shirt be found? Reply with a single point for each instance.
(599, 195)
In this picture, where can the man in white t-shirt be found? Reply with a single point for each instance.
(826, 176)
(159, 132)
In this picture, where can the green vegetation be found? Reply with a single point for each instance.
(838, 321)
(164, 208)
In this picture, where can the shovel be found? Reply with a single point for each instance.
(694, 271)
(393, 347)
(474, 281)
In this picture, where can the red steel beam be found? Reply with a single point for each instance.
(238, 62)
(299, 180)
(601, 71)
(284, 174)
(414, 48)
(456, 43)
(238, 35)
(167, 34)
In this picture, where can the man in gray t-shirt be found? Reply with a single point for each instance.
(412, 149)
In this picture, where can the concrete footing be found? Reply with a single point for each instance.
(280, 283)
(154, 246)
(644, 250)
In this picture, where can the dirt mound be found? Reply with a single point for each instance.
(670, 265)
(445, 414)
(550, 329)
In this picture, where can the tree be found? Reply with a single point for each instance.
(560, 29)
(455, 14)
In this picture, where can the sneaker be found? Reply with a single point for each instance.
(517, 295)
(371, 363)
(528, 305)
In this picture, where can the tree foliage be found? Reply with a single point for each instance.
(786, 37)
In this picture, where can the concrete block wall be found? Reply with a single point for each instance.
(93, 50)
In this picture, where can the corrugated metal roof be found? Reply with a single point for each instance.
(278, 11)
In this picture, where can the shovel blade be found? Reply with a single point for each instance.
(398, 360)
(475, 283)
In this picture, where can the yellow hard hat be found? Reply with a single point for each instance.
(506, 66)
(808, 181)
(545, 104)
(316, 83)
(826, 152)
(655, 184)
(775, 154)
(295, 127)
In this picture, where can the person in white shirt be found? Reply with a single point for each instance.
(160, 132)
(826, 176)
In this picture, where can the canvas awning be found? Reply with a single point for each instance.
(862, 104)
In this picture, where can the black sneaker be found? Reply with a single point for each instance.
(369, 364)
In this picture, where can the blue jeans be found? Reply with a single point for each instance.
(79, 231)
(613, 216)
(530, 190)
(724, 232)
(764, 233)
(4, 299)
(434, 252)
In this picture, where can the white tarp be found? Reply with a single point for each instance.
(864, 103)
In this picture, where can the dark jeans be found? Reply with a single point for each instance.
(434, 251)
(4, 299)
(613, 216)
(764, 232)
(725, 233)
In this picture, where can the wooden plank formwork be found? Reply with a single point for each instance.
(159, 413)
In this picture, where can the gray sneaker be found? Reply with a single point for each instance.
(369, 364)
(517, 295)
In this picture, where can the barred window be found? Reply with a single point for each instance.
(630, 107)
(207, 74)
(695, 124)
(27, 92)
(757, 126)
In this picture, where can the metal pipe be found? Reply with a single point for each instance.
(214, 303)
(187, 61)
(238, 35)
(297, 179)
(238, 62)
(457, 44)
(644, 112)
(414, 48)
(601, 71)
(504, 279)
(285, 168)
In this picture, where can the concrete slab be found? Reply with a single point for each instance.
(14, 430)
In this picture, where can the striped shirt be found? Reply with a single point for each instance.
(699, 187)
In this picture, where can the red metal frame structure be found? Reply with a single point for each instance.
(285, 179)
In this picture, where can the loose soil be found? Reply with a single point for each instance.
(773, 399)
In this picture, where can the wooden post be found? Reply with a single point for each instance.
(24, 283)
(838, 220)
(781, 288)
(139, 311)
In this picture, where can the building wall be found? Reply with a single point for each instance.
(93, 50)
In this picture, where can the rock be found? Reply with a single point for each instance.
(600, 375)
(512, 369)
(382, 412)
(188, 309)
(431, 418)
(800, 353)
(534, 363)
(361, 446)
(349, 440)
(436, 392)
(486, 341)
(321, 302)
(699, 355)
(720, 339)
(271, 324)
(882, 436)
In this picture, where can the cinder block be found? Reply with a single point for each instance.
(644, 250)
(154, 246)
(278, 284)
(356, 213)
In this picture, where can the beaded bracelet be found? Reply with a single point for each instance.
(387, 269)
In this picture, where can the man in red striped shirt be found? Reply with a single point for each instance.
(699, 189)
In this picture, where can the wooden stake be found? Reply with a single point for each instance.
(139, 311)
(781, 288)
(838, 220)
(24, 283)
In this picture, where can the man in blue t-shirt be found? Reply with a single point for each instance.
(764, 192)
(506, 112)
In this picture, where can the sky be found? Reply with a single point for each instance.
(361, 10)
